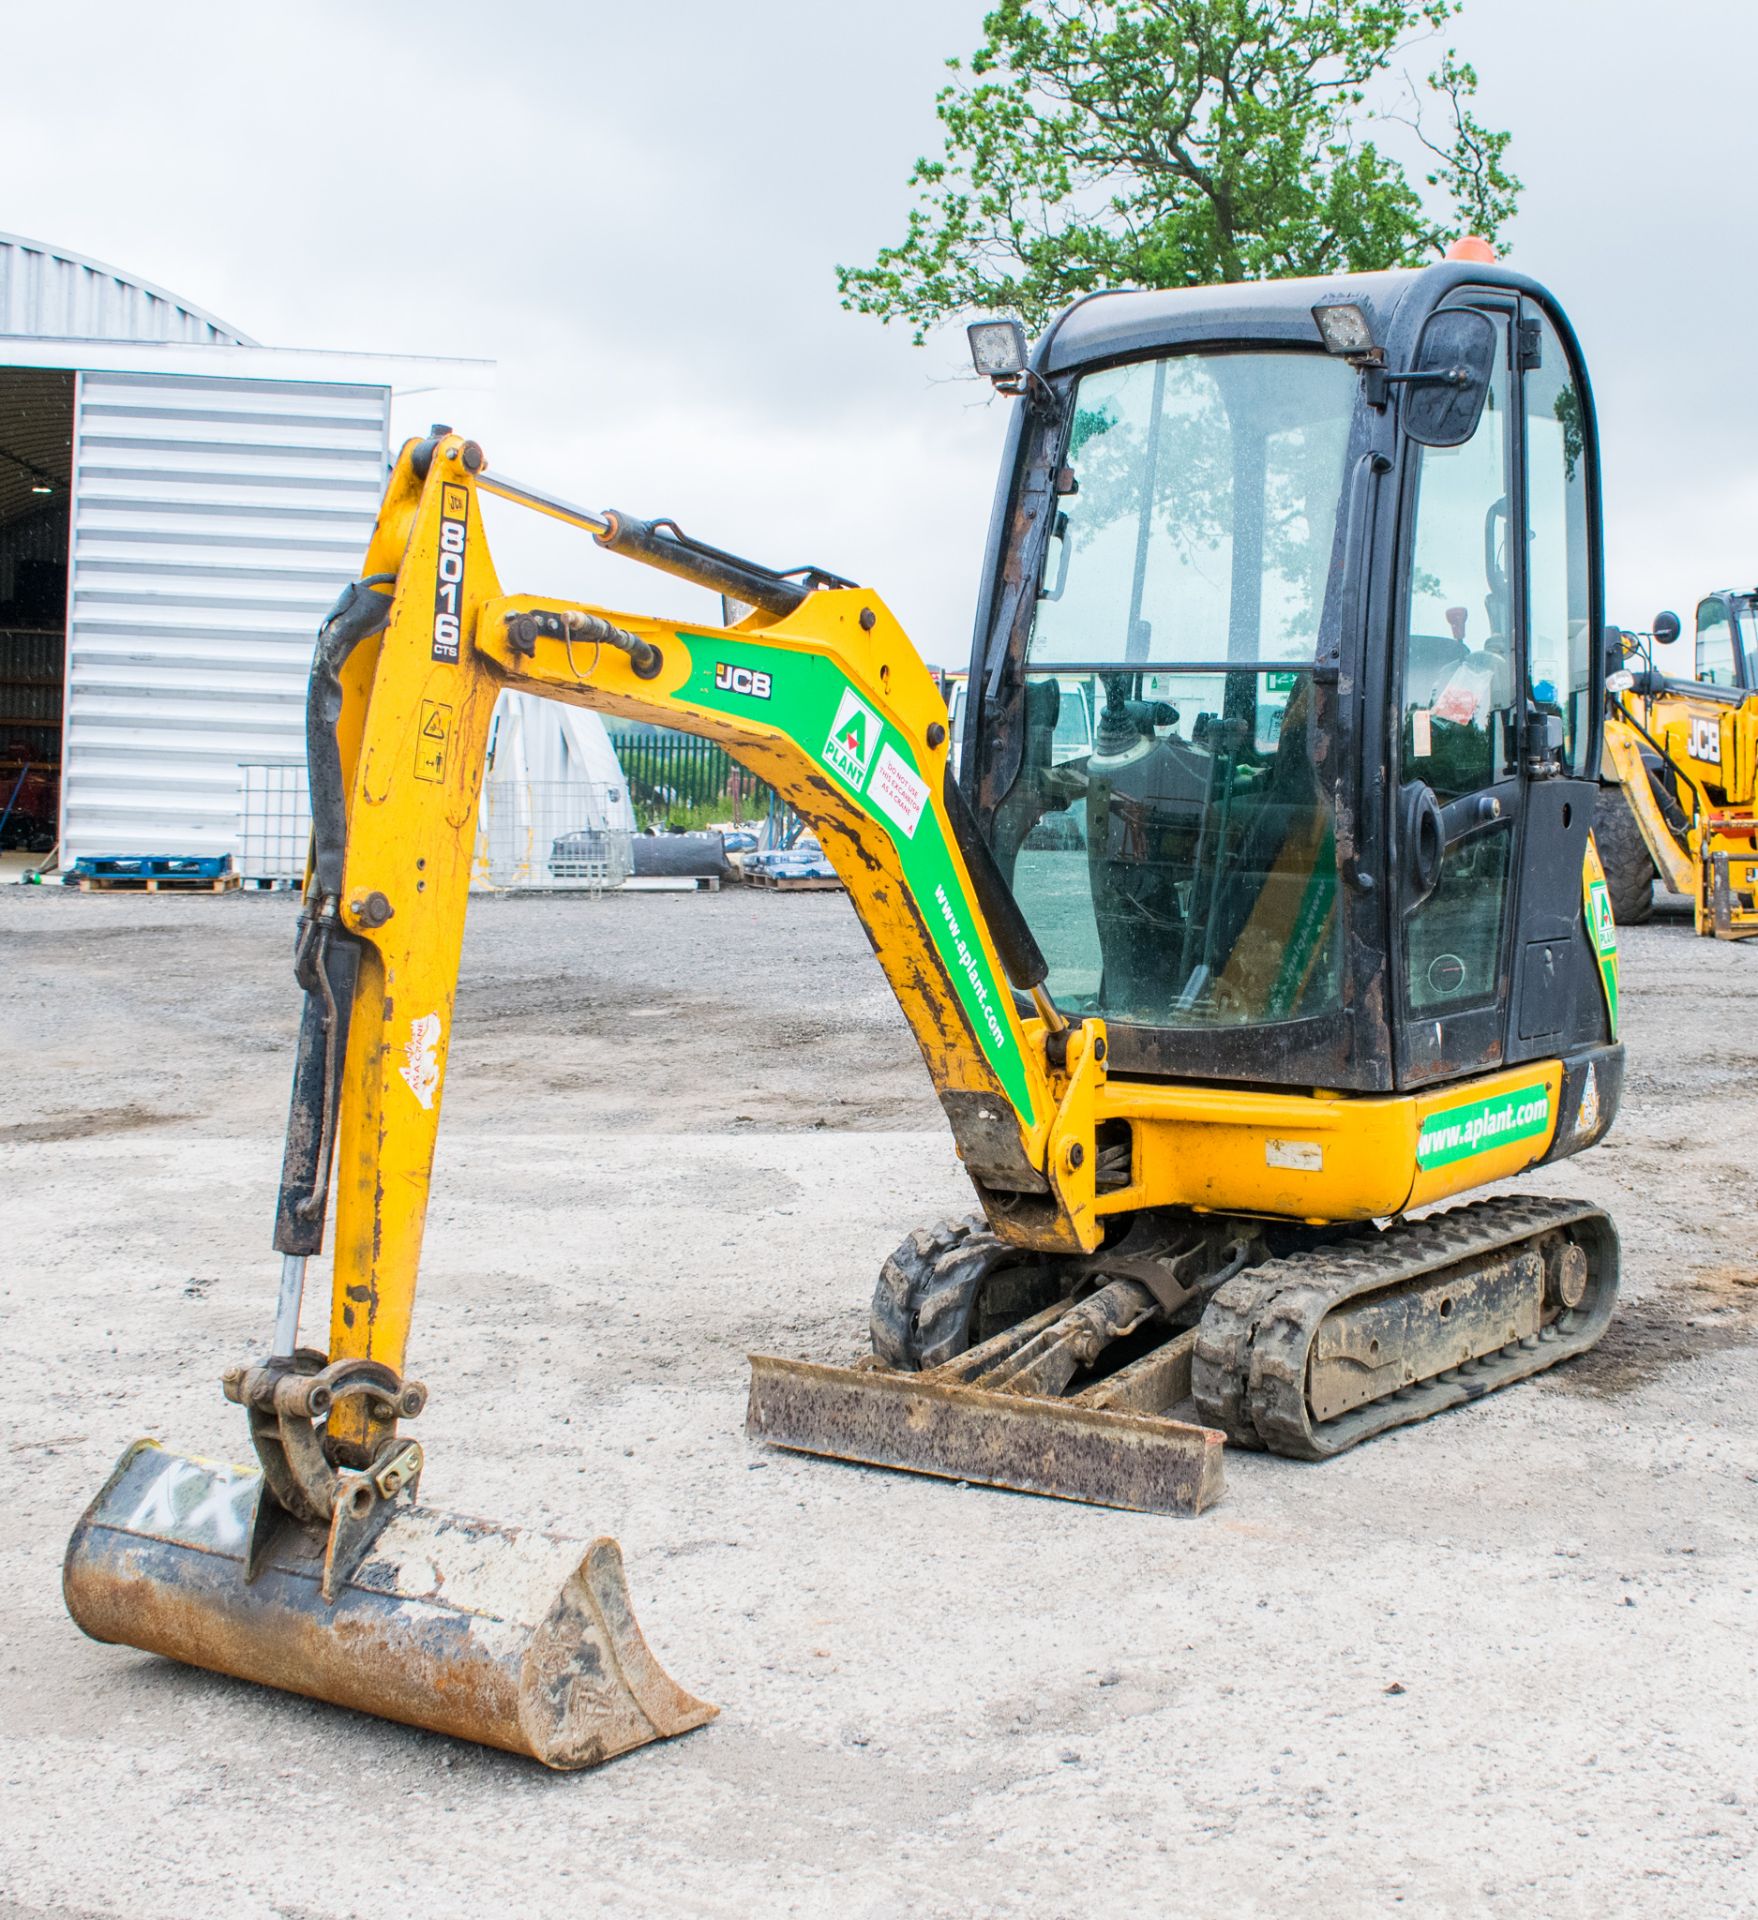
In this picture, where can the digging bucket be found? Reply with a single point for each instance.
(507, 1636)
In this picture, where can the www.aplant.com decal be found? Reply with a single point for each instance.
(1479, 1125)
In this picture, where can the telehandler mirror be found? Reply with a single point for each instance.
(1666, 628)
(1455, 355)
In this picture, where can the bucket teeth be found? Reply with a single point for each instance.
(514, 1638)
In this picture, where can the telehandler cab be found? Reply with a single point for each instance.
(1312, 934)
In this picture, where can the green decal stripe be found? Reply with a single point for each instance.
(1480, 1126)
(1311, 925)
(806, 694)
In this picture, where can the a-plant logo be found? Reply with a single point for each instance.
(1605, 933)
(854, 739)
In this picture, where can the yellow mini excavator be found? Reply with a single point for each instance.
(1300, 931)
(1680, 797)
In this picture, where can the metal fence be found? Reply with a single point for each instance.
(550, 833)
(536, 833)
(274, 820)
(666, 770)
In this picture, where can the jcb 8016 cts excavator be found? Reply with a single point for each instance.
(1310, 934)
(1681, 771)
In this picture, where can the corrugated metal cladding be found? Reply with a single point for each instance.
(214, 523)
(45, 291)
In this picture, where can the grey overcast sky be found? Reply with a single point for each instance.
(636, 211)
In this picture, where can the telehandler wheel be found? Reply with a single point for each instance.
(1629, 866)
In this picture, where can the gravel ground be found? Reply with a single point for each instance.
(1499, 1663)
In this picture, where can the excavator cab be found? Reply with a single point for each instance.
(1332, 825)
(1323, 561)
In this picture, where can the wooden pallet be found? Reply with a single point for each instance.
(156, 883)
(792, 882)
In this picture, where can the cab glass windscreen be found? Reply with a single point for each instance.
(1167, 835)
(1204, 511)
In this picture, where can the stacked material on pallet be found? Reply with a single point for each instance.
(152, 873)
(799, 867)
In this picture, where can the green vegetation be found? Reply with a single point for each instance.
(1168, 143)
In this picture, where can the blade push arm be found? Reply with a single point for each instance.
(828, 702)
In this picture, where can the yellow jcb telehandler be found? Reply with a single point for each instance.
(1303, 933)
(1680, 794)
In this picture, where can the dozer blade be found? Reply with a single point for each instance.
(513, 1638)
(927, 1423)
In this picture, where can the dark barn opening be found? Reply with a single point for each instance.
(36, 478)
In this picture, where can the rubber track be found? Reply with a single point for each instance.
(922, 1304)
(1250, 1365)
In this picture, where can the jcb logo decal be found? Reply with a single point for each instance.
(1706, 739)
(746, 680)
(448, 594)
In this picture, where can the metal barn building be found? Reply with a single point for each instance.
(178, 508)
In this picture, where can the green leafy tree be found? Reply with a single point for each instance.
(1167, 143)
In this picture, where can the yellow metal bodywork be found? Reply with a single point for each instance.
(1315, 1157)
(1714, 746)
(413, 734)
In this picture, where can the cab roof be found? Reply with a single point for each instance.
(1117, 325)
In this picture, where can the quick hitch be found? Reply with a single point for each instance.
(286, 1399)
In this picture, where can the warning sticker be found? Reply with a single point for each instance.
(898, 791)
(420, 1066)
(431, 742)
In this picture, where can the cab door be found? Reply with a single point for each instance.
(1456, 795)
(1498, 686)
